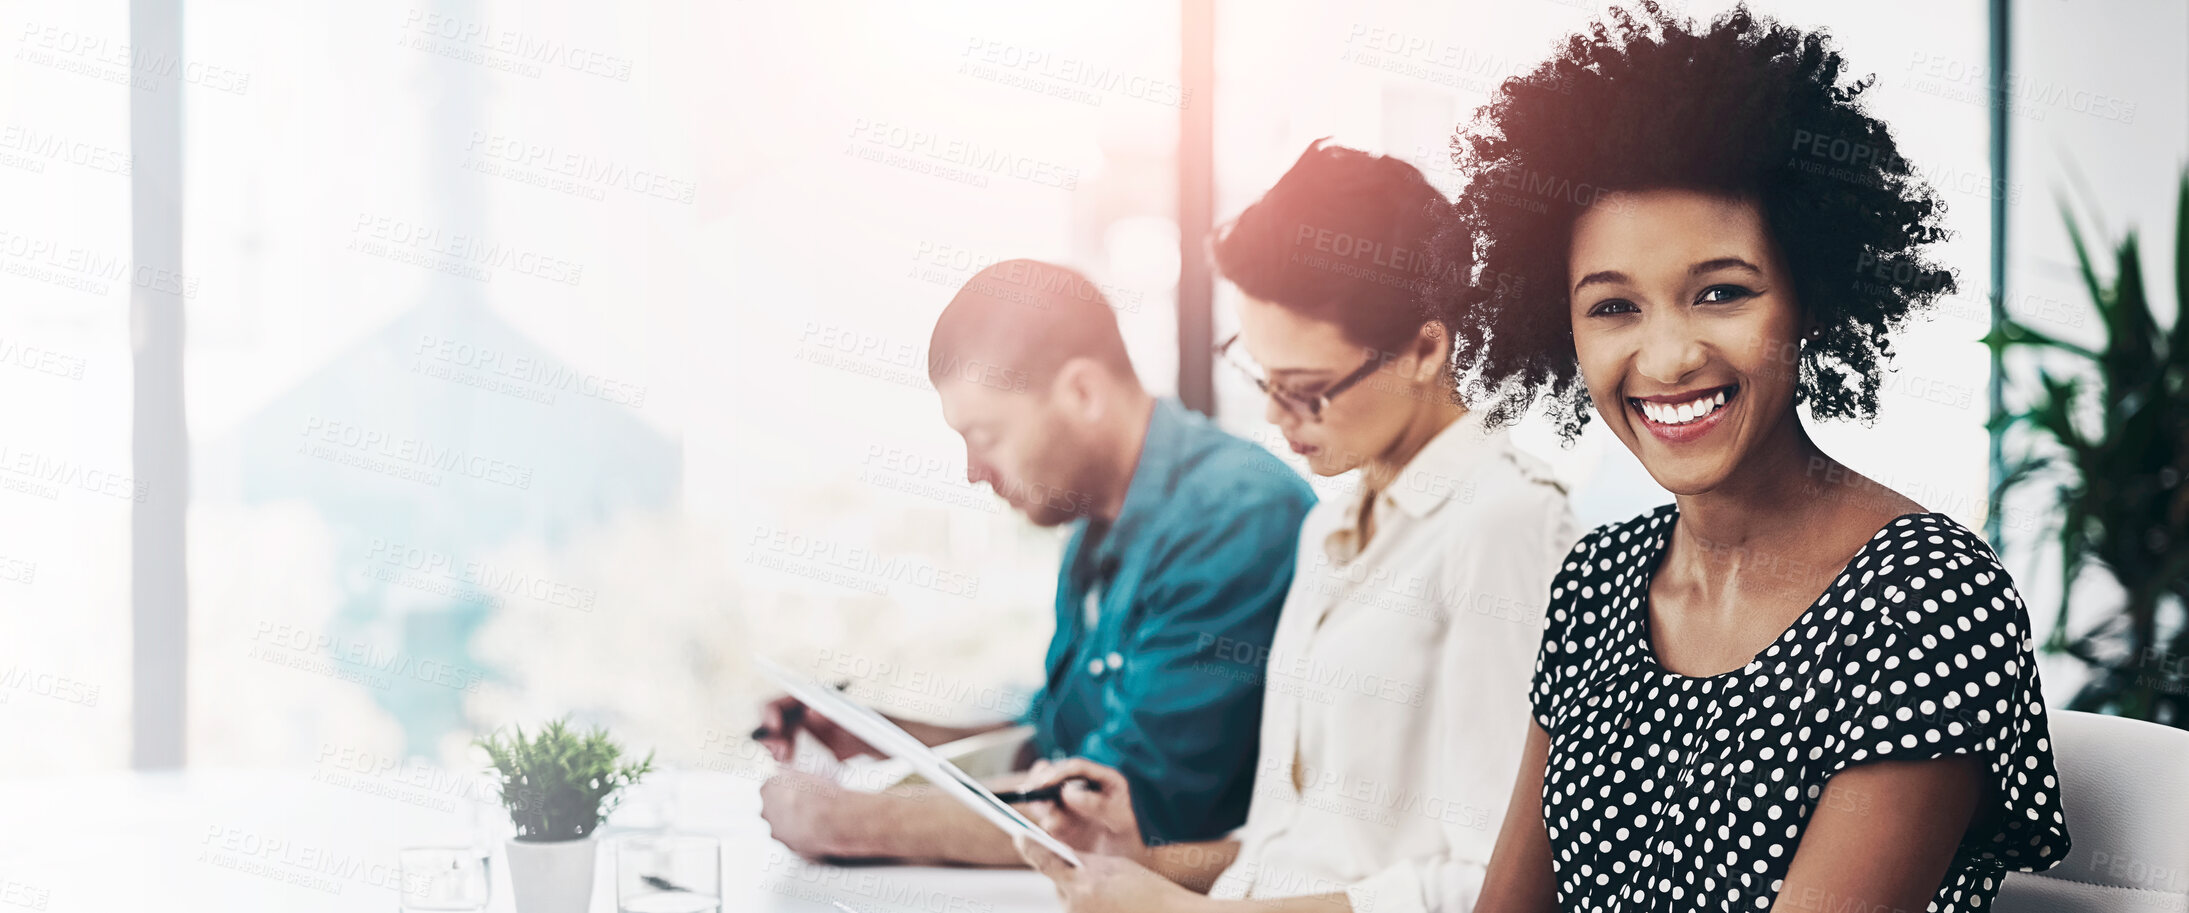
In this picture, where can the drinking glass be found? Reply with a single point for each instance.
(668, 873)
(443, 879)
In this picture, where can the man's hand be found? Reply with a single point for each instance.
(1096, 819)
(1108, 884)
(812, 815)
(780, 720)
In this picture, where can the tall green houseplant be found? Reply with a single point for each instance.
(2110, 434)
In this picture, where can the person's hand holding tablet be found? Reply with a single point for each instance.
(1106, 884)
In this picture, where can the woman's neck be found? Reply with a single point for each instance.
(1780, 489)
(1381, 471)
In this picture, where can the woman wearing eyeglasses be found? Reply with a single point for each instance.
(1395, 702)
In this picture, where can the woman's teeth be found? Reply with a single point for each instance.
(1681, 413)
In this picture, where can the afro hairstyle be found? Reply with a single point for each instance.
(1744, 107)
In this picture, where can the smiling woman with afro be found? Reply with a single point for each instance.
(1745, 106)
(1688, 232)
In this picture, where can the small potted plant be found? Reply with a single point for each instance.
(558, 786)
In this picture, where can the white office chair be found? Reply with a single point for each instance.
(2125, 786)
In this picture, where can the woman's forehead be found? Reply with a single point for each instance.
(1662, 233)
(1282, 339)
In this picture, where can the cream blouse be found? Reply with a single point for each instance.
(1396, 703)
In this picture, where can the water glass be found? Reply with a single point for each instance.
(443, 879)
(668, 873)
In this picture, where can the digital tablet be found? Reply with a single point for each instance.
(889, 739)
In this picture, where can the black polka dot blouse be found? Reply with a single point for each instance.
(1672, 792)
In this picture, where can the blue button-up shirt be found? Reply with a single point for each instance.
(1161, 677)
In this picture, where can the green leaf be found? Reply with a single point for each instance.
(2082, 265)
(2178, 343)
(2011, 332)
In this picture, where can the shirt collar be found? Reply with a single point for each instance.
(1441, 471)
(1154, 477)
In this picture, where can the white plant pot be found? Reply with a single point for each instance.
(552, 877)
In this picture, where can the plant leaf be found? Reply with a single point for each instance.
(2011, 332)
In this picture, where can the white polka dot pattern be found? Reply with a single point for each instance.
(1672, 792)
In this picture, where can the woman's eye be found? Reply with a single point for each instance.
(1719, 294)
(1613, 306)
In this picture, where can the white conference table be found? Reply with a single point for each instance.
(236, 840)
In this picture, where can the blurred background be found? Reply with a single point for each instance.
(375, 375)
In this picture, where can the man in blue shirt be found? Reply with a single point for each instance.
(1182, 549)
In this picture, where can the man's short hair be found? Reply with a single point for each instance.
(1024, 319)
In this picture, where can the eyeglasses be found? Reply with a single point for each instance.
(1306, 404)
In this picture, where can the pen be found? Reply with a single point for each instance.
(1049, 793)
(791, 716)
(659, 883)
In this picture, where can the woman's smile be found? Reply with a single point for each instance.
(1681, 417)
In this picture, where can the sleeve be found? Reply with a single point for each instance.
(1557, 655)
(1947, 669)
(1183, 717)
(1493, 594)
